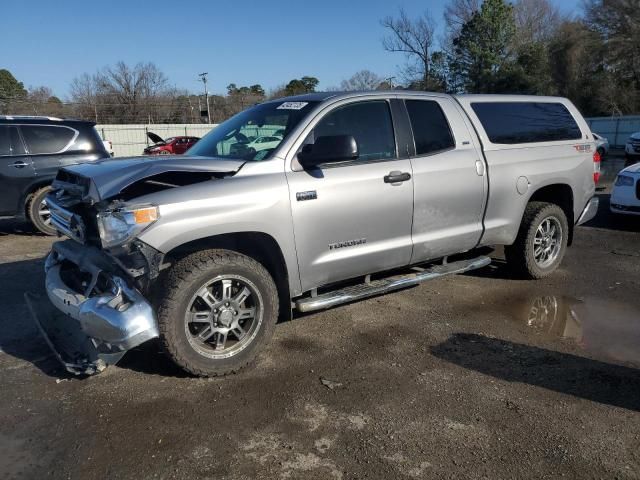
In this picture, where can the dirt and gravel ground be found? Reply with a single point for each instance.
(475, 376)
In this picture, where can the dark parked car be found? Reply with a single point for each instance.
(31, 151)
(172, 145)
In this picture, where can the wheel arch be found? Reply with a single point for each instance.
(560, 194)
(258, 245)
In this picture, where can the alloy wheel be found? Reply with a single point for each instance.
(547, 242)
(224, 316)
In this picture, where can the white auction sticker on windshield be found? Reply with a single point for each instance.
(292, 105)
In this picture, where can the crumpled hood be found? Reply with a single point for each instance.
(106, 178)
(635, 136)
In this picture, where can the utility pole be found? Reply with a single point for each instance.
(203, 76)
(390, 82)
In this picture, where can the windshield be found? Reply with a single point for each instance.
(253, 134)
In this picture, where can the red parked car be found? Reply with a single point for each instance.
(172, 145)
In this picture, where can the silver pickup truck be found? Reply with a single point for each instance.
(350, 195)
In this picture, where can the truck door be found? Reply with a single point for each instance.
(352, 218)
(450, 183)
(16, 169)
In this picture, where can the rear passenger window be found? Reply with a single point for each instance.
(368, 122)
(46, 139)
(431, 130)
(526, 122)
(10, 141)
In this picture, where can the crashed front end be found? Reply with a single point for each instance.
(99, 309)
(98, 314)
(100, 280)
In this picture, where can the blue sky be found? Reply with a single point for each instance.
(49, 42)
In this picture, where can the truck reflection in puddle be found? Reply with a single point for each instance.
(605, 328)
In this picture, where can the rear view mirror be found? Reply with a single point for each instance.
(329, 149)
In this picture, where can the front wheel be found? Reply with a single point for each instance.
(218, 310)
(541, 242)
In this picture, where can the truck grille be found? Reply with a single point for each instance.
(66, 222)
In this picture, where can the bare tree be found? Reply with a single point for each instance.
(415, 39)
(84, 95)
(536, 21)
(277, 91)
(362, 80)
(459, 12)
(135, 89)
(127, 94)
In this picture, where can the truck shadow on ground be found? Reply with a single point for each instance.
(16, 227)
(19, 336)
(581, 377)
(497, 269)
(21, 339)
(149, 359)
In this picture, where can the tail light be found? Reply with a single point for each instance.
(596, 167)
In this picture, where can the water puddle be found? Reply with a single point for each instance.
(607, 329)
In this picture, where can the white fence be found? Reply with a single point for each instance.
(130, 140)
(616, 129)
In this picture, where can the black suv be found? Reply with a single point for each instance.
(32, 149)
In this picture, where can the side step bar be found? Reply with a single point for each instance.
(386, 285)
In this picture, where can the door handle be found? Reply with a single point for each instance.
(19, 164)
(397, 177)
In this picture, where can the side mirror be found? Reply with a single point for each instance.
(328, 149)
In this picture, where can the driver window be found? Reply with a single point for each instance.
(368, 122)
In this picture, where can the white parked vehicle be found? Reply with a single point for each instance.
(625, 197)
(264, 143)
(602, 144)
(632, 148)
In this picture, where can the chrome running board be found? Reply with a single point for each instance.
(386, 285)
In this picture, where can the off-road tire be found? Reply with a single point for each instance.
(182, 281)
(33, 207)
(520, 256)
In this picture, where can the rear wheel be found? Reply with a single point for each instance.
(218, 311)
(541, 242)
(39, 213)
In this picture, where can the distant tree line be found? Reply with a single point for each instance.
(136, 94)
(490, 46)
(526, 47)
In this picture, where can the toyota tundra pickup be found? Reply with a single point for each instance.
(359, 195)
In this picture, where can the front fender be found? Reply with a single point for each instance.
(257, 203)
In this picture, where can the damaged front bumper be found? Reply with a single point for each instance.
(102, 315)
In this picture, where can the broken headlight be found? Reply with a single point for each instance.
(118, 226)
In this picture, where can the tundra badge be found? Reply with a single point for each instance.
(310, 195)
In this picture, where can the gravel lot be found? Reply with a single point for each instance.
(475, 376)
